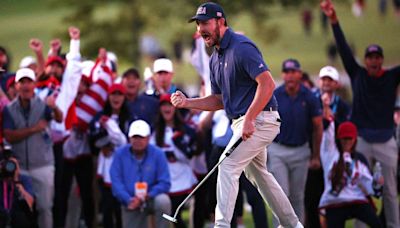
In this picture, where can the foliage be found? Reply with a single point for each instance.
(128, 20)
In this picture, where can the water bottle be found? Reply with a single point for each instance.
(148, 80)
(376, 176)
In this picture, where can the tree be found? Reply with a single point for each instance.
(121, 32)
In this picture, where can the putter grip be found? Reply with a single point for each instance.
(233, 147)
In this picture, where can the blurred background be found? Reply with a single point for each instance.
(138, 31)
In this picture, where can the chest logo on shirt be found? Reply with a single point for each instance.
(226, 65)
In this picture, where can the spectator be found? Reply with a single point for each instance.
(141, 106)
(348, 181)
(307, 19)
(4, 68)
(334, 109)
(290, 154)
(178, 141)
(374, 95)
(109, 130)
(140, 179)
(163, 74)
(16, 205)
(25, 123)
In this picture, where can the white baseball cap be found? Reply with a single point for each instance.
(24, 73)
(139, 128)
(329, 71)
(27, 61)
(163, 64)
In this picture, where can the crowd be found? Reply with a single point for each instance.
(69, 123)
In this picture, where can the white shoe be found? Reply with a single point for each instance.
(298, 225)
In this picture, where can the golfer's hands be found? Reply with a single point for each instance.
(178, 99)
(248, 129)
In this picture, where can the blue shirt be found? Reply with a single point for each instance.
(234, 68)
(296, 115)
(145, 108)
(26, 183)
(126, 170)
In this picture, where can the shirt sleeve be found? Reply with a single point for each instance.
(315, 105)
(116, 173)
(163, 183)
(27, 183)
(349, 62)
(8, 122)
(250, 58)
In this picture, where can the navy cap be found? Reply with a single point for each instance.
(291, 64)
(373, 48)
(208, 11)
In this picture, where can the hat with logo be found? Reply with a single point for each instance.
(330, 72)
(208, 11)
(139, 128)
(373, 48)
(24, 73)
(163, 64)
(291, 64)
(347, 130)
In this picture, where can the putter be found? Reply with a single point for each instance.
(225, 155)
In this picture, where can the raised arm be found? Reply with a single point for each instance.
(37, 47)
(346, 54)
(212, 102)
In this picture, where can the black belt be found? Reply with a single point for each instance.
(290, 144)
(268, 109)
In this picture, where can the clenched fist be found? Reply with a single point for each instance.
(178, 99)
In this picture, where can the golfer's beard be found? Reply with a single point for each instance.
(216, 37)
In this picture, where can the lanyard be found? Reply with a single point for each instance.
(7, 198)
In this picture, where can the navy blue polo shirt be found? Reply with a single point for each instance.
(145, 108)
(234, 68)
(296, 115)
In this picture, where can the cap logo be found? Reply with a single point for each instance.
(373, 48)
(219, 14)
(289, 64)
(201, 10)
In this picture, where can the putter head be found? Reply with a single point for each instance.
(169, 218)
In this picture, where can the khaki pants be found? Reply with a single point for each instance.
(43, 186)
(386, 153)
(251, 157)
(289, 165)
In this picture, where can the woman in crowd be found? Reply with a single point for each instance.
(348, 181)
(178, 141)
(108, 131)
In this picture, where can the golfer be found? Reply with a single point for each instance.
(242, 85)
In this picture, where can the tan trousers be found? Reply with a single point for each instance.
(251, 157)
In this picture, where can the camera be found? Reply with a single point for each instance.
(7, 166)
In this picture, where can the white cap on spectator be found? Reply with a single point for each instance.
(163, 64)
(27, 61)
(24, 73)
(139, 128)
(330, 72)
